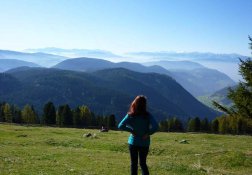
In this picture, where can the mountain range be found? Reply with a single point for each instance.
(6, 64)
(42, 59)
(175, 56)
(175, 65)
(194, 77)
(47, 57)
(198, 81)
(225, 63)
(105, 91)
(74, 53)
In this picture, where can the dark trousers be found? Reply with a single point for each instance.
(142, 152)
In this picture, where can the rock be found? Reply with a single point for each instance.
(87, 135)
(184, 141)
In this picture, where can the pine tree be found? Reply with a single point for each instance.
(49, 114)
(242, 94)
(67, 115)
(215, 126)
(170, 123)
(100, 121)
(178, 125)
(59, 116)
(111, 121)
(76, 117)
(1, 112)
(17, 115)
(8, 116)
(194, 125)
(86, 119)
(204, 125)
(163, 126)
(223, 125)
(29, 115)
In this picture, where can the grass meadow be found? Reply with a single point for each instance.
(46, 151)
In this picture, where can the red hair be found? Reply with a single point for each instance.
(138, 106)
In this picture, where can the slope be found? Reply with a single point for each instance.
(106, 91)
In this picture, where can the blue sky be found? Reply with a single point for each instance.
(219, 26)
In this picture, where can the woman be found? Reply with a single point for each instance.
(141, 125)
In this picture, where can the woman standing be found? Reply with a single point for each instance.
(141, 124)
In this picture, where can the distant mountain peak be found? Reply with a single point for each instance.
(74, 53)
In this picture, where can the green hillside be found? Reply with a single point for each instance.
(46, 150)
(105, 92)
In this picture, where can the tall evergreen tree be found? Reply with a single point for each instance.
(49, 113)
(163, 126)
(223, 125)
(215, 126)
(242, 94)
(67, 115)
(194, 125)
(178, 125)
(100, 120)
(204, 125)
(17, 115)
(111, 121)
(29, 115)
(76, 117)
(1, 112)
(59, 116)
(8, 116)
(86, 116)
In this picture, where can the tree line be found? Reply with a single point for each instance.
(220, 125)
(63, 116)
(82, 116)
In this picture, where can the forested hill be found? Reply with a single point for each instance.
(106, 91)
(198, 80)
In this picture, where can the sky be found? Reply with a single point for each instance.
(120, 26)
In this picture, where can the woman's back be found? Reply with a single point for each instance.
(140, 125)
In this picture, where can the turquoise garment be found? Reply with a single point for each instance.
(140, 126)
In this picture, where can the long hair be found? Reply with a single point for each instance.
(138, 107)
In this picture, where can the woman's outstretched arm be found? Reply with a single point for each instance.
(124, 124)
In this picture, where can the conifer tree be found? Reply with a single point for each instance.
(67, 115)
(194, 125)
(59, 116)
(215, 126)
(242, 94)
(85, 113)
(1, 112)
(29, 115)
(8, 116)
(204, 125)
(111, 121)
(163, 126)
(77, 117)
(64, 116)
(49, 114)
(178, 126)
(17, 116)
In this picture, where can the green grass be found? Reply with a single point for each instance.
(46, 150)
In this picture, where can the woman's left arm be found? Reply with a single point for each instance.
(124, 124)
